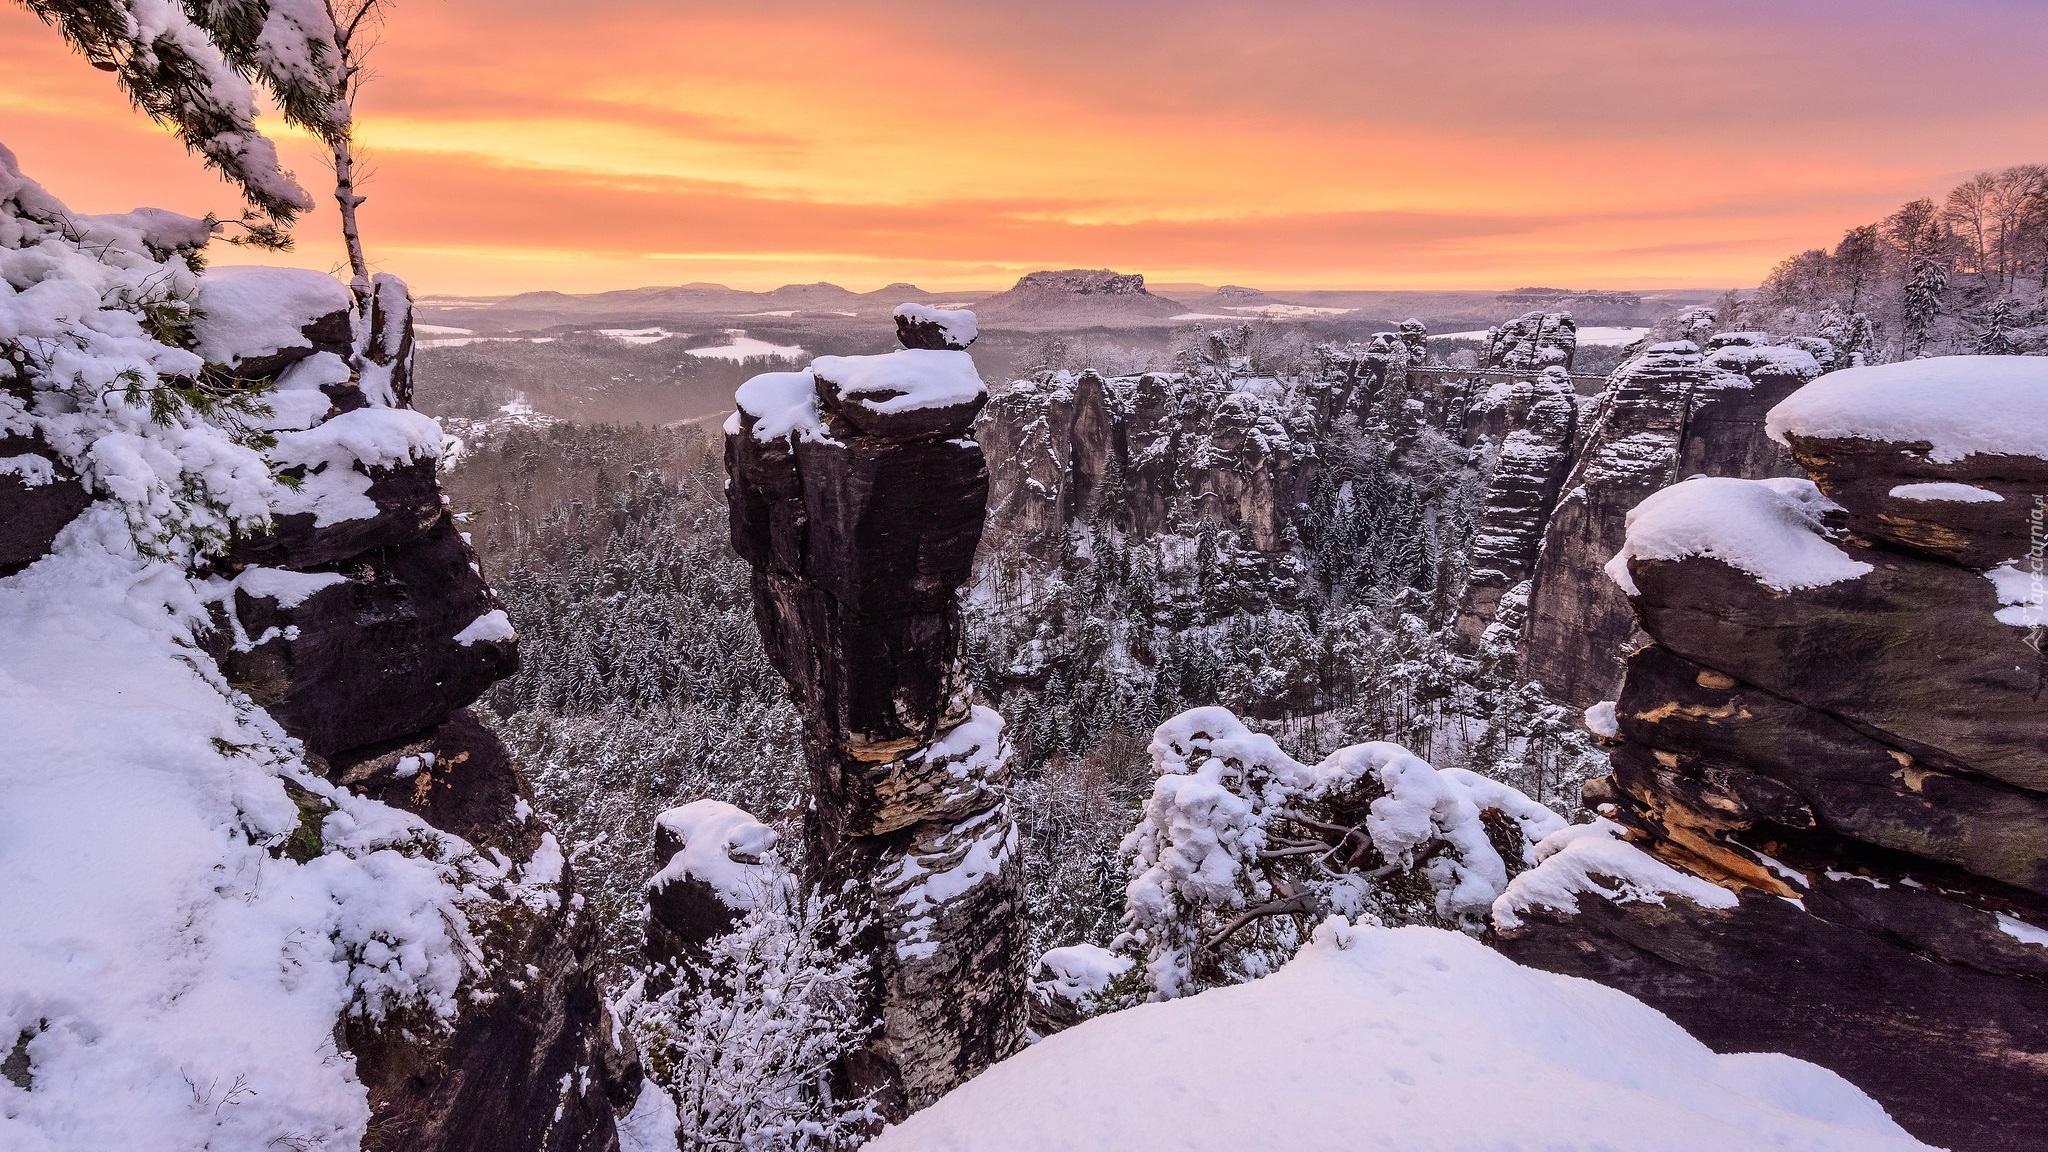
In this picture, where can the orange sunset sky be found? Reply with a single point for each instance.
(521, 144)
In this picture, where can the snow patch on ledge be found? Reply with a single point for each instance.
(1960, 405)
(249, 311)
(2022, 593)
(493, 627)
(1395, 1040)
(1770, 529)
(1600, 720)
(781, 403)
(906, 380)
(2022, 931)
(1946, 492)
(1568, 862)
(289, 589)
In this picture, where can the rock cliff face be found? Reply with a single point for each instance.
(858, 493)
(1166, 449)
(1542, 413)
(1844, 725)
(1668, 413)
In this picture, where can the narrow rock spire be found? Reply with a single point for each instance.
(857, 494)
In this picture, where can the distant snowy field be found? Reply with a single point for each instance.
(1397, 1040)
(744, 347)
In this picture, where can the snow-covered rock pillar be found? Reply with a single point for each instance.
(857, 494)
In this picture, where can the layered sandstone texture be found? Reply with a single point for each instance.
(1839, 719)
(857, 494)
(1672, 411)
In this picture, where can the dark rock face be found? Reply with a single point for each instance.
(860, 538)
(494, 1080)
(1862, 981)
(1176, 450)
(408, 500)
(1866, 762)
(37, 499)
(373, 657)
(1667, 414)
(1860, 475)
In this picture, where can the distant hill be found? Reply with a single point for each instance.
(1077, 297)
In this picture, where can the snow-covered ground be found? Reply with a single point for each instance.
(1396, 1040)
(177, 979)
(640, 335)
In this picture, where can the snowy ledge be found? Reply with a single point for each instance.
(1959, 405)
(1568, 861)
(781, 404)
(722, 845)
(1770, 529)
(247, 312)
(906, 380)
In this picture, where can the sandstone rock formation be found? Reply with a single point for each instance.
(1075, 298)
(1533, 342)
(1542, 412)
(857, 494)
(1839, 718)
(1170, 449)
(1668, 413)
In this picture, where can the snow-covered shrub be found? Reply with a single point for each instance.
(743, 1044)
(96, 323)
(1241, 847)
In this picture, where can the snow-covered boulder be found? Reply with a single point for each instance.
(1945, 457)
(259, 321)
(911, 392)
(922, 326)
(1401, 1040)
(718, 862)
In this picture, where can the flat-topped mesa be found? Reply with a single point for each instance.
(858, 493)
(1839, 719)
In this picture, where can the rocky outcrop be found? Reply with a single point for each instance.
(1839, 718)
(1668, 413)
(363, 625)
(717, 863)
(1167, 450)
(528, 1064)
(1076, 298)
(1528, 472)
(1533, 342)
(860, 533)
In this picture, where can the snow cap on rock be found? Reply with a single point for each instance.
(1957, 405)
(1770, 529)
(719, 844)
(922, 326)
